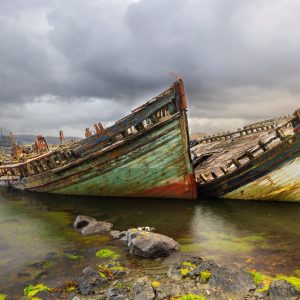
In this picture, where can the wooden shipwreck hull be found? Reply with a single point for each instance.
(260, 162)
(146, 154)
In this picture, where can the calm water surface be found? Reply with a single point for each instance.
(37, 240)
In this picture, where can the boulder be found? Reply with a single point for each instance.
(142, 289)
(282, 290)
(231, 279)
(89, 281)
(149, 244)
(88, 225)
(82, 221)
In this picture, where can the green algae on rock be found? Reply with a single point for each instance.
(155, 284)
(186, 267)
(31, 290)
(261, 280)
(295, 281)
(107, 253)
(205, 276)
(192, 297)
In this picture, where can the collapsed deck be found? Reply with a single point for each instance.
(246, 164)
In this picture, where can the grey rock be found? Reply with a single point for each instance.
(82, 221)
(117, 234)
(96, 227)
(115, 294)
(166, 291)
(174, 272)
(232, 279)
(282, 290)
(149, 244)
(142, 289)
(45, 295)
(88, 225)
(90, 281)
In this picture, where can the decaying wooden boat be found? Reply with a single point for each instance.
(260, 161)
(145, 154)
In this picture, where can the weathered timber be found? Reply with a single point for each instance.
(145, 154)
(263, 164)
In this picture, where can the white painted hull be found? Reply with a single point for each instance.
(282, 184)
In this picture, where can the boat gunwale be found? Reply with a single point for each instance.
(213, 187)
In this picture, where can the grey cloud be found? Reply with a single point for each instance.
(239, 59)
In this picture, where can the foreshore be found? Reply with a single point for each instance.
(169, 273)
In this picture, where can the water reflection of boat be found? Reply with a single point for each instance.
(145, 154)
(260, 162)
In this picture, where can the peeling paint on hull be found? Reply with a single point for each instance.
(145, 154)
(274, 175)
(146, 172)
(282, 184)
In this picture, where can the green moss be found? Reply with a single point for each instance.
(297, 272)
(189, 264)
(118, 267)
(205, 276)
(155, 284)
(192, 297)
(31, 290)
(72, 256)
(295, 281)
(261, 280)
(2, 297)
(107, 253)
(70, 286)
(184, 271)
(186, 267)
(106, 270)
(120, 285)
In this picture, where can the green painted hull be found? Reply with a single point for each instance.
(153, 162)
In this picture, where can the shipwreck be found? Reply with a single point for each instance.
(145, 154)
(259, 162)
(149, 154)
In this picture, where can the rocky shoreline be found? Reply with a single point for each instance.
(173, 275)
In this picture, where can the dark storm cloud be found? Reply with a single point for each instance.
(64, 59)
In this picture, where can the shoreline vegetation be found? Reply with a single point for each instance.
(171, 275)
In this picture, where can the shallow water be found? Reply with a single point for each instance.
(38, 243)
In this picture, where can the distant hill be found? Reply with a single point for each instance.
(24, 139)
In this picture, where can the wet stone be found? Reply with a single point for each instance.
(149, 244)
(232, 279)
(142, 289)
(115, 294)
(45, 295)
(115, 234)
(282, 290)
(89, 281)
(88, 225)
(166, 291)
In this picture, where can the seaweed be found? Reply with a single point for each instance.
(31, 290)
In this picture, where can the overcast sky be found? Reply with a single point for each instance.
(65, 64)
